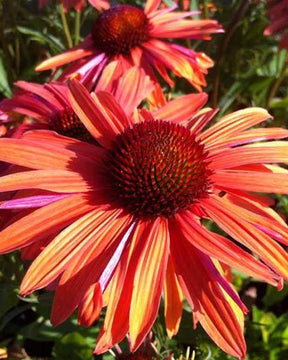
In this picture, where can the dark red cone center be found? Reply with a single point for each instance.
(119, 29)
(67, 123)
(157, 168)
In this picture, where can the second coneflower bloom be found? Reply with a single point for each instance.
(131, 36)
(128, 224)
(48, 106)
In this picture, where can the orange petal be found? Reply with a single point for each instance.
(110, 73)
(233, 123)
(111, 107)
(172, 59)
(201, 119)
(52, 180)
(133, 88)
(90, 306)
(87, 266)
(183, 28)
(55, 257)
(248, 136)
(41, 156)
(222, 249)
(173, 300)
(148, 282)
(255, 214)
(64, 58)
(205, 296)
(51, 138)
(257, 241)
(116, 324)
(91, 114)
(251, 181)
(44, 221)
(181, 109)
(270, 152)
(151, 6)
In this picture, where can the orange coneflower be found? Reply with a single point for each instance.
(130, 226)
(130, 36)
(277, 13)
(49, 107)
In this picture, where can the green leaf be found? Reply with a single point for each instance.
(55, 44)
(274, 296)
(8, 297)
(4, 82)
(73, 346)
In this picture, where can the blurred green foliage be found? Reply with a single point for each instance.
(250, 70)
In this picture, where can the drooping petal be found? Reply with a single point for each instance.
(257, 241)
(41, 91)
(257, 203)
(201, 119)
(44, 221)
(148, 282)
(223, 249)
(256, 215)
(111, 72)
(87, 267)
(116, 324)
(30, 252)
(90, 306)
(173, 298)
(199, 280)
(53, 260)
(172, 60)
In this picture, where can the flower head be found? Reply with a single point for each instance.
(130, 36)
(129, 226)
(48, 106)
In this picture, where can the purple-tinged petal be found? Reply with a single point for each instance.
(32, 201)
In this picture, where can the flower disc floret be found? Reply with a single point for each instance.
(67, 123)
(157, 168)
(119, 29)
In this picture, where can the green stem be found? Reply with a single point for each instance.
(77, 27)
(65, 26)
(276, 85)
(205, 10)
(231, 28)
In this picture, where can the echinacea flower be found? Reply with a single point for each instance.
(49, 107)
(277, 13)
(130, 224)
(131, 36)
